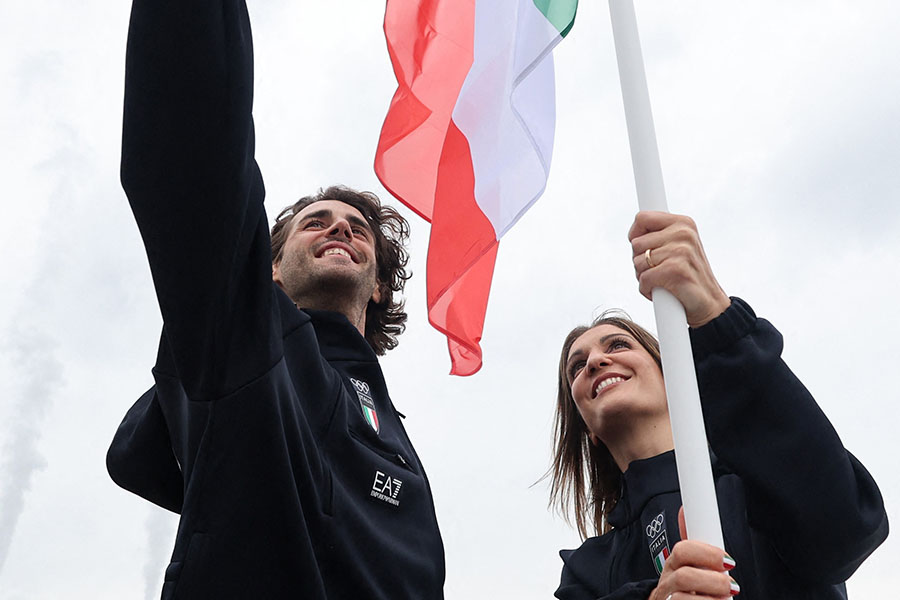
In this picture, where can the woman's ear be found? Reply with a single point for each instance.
(594, 439)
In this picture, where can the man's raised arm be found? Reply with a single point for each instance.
(195, 189)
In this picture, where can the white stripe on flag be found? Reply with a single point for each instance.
(499, 141)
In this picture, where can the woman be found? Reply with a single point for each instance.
(799, 513)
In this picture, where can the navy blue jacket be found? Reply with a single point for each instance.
(256, 430)
(799, 513)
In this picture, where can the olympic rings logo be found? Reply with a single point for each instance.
(655, 525)
(361, 386)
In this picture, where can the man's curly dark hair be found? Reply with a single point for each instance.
(385, 320)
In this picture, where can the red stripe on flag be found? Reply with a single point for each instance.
(461, 256)
(425, 162)
(430, 43)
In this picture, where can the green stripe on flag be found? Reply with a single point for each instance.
(561, 13)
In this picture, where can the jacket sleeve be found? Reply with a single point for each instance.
(140, 458)
(570, 588)
(195, 190)
(805, 491)
(585, 572)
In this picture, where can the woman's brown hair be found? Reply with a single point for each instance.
(584, 478)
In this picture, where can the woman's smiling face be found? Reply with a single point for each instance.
(613, 377)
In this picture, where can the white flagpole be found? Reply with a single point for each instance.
(698, 493)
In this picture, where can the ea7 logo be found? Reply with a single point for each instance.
(386, 488)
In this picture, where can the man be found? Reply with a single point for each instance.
(270, 428)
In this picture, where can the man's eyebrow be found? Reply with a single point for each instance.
(324, 213)
(316, 214)
(360, 222)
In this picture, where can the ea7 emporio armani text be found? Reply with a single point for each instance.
(386, 488)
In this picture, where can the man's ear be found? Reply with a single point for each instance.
(377, 295)
(276, 273)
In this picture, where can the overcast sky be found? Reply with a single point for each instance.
(779, 132)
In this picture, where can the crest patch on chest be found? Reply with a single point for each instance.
(658, 541)
(366, 403)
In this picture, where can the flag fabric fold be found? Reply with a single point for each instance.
(468, 139)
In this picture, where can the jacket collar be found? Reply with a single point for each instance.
(644, 479)
(338, 339)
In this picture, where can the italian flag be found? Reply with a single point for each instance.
(371, 417)
(660, 559)
(468, 138)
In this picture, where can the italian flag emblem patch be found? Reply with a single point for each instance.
(366, 403)
(658, 541)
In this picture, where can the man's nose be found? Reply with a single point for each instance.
(341, 227)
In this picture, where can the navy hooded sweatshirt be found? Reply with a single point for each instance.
(269, 429)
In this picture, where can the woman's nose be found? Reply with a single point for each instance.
(596, 361)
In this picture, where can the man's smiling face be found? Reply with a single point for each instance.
(330, 249)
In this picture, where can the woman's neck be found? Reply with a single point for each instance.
(651, 439)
